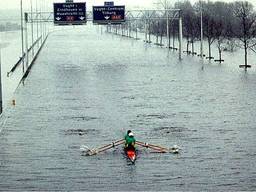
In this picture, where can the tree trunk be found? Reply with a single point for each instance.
(220, 54)
(245, 54)
(193, 50)
(129, 26)
(173, 42)
(210, 53)
(169, 41)
(149, 34)
(187, 46)
(157, 33)
(146, 31)
(173, 37)
(161, 38)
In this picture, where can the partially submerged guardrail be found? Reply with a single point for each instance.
(22, 58)
(33, 60)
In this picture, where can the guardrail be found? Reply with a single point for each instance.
(34, 58)
(21, 59)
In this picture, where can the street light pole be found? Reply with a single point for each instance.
(26, 39)
(37, 27)
(1, 97)
(180, 35)
(167, 24)
(202, 32)
(32, 27)
(22, 36)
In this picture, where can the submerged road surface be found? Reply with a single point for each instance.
(88, 88)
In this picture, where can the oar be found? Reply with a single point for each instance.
(109, 146)
(158, 148)
(104, 148)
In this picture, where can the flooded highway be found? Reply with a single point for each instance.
(88, 88)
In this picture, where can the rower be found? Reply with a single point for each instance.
(129, 140)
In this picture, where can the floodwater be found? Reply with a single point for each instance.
(10, 53)
(88, 88)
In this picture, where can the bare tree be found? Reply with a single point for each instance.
(254, 47)
(220, 38)
(174, 31)
(230, 37)
(165, 4)
(247, 30)
(209, 26)
(222, 25)
(157, 31)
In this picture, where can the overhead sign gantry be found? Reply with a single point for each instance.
(69, 13)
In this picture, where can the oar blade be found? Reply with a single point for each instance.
(87, 151)
(159, 149)
(174, 149)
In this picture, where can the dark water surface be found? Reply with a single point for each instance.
(87, 88)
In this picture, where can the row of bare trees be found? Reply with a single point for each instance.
(226, 24)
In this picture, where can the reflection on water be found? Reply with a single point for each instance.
(89, 89)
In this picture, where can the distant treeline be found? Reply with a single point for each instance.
(227, 24)
(9, 26)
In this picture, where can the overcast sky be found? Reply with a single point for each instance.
(14, 4)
